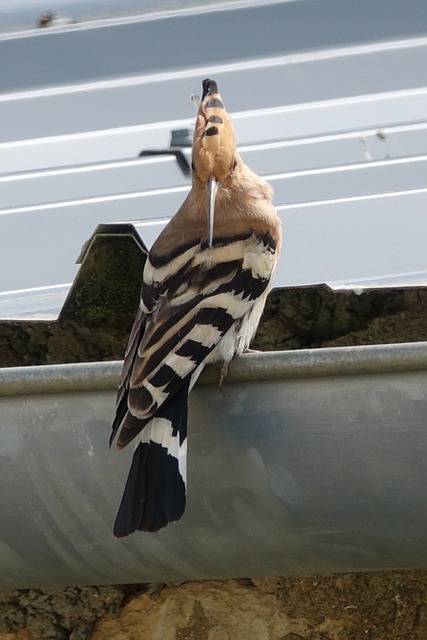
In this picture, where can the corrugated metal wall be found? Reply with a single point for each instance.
(329, 100)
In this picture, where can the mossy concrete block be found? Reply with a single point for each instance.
(97, 316)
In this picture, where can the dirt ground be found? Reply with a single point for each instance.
(372, 606)
(375, 606)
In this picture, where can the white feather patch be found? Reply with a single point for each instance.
(159, 430)
(235, 305)
(159, 274)
(259, 260)
(180, 364)
(205, 334)
(226, 253)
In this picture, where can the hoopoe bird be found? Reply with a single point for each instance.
(204, 288)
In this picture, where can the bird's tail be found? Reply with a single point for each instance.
(155, 488)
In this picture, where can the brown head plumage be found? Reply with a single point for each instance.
(214, 146)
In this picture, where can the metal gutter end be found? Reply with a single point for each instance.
(60, 378)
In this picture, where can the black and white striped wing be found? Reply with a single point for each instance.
(195, 302)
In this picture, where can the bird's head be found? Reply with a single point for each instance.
(214, 146)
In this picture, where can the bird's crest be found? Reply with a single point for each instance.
(214, 146)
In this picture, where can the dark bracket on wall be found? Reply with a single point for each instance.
(179, 138)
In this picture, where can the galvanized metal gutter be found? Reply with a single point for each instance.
(305, 461)
(272, 365)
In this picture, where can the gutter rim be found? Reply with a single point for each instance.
(250, 367)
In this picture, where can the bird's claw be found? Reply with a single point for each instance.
(223, 374)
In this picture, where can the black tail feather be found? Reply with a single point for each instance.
(154, 494)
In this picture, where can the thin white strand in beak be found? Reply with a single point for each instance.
(212, 189)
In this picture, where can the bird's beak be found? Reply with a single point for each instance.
(212, 189)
